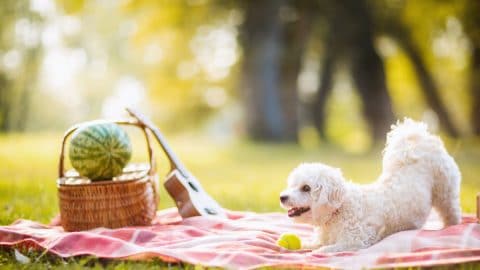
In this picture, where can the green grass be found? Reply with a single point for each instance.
(241, 175)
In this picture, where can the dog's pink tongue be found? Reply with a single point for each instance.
(292, 211)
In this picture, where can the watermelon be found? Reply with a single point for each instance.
(100, 151)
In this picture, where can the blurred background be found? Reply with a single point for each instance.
(263, 85)
(273, 70)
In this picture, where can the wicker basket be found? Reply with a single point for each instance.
(127, 200)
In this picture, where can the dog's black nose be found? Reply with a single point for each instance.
(283, 198)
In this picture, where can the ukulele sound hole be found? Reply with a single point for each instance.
(210, 211)
(193, 186)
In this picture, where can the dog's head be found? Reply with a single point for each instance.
(314, 192)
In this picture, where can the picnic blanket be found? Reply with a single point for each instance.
(246, 240)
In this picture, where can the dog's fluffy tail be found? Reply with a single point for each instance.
(409, 143)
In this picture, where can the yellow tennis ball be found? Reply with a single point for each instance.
(289, 241)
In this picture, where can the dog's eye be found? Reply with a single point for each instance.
(306, 188)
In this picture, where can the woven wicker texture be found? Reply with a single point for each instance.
(127, 200)
(110, 204)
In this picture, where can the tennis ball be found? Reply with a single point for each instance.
(289, 241)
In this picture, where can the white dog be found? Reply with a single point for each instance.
(418, 174)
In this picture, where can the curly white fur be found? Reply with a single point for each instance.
(417, 174)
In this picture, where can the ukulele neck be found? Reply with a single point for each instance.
(175, 163)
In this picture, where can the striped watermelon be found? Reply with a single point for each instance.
(100, 151)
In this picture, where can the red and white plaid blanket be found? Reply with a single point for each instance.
(246, 240)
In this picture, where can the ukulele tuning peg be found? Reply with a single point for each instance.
(192, 185)
(210, 211)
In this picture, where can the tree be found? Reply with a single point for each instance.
(16, 88)
(273, 48)
(5, 83)
(350, 35)
(427, 83)
(472, 26)
(389, 22)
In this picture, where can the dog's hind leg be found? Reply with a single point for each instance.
(446, 191)
(449, 211)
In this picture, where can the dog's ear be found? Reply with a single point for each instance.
(336, 195)
(328, 198)
(316, 192)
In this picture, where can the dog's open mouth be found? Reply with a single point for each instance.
(297, 211)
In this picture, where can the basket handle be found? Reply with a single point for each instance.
(146, 123)
(151, 170)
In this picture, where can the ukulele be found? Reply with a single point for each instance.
(183, 187)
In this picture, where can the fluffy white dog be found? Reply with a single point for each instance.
(417, 174)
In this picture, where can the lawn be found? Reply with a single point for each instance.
(240, 175)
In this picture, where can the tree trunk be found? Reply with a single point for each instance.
(367, 70)
(28, 84)
(325, 86)
(272, 60)
(5, 104)
(471, 21)
(430, 89)
(260, 83)
(369, 77)
(475, 88)
(296, 33)
(350, 35)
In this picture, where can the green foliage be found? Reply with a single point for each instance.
(445, 48)
(186, 55)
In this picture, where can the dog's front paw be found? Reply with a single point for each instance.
(331, 248)
(311, 245)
